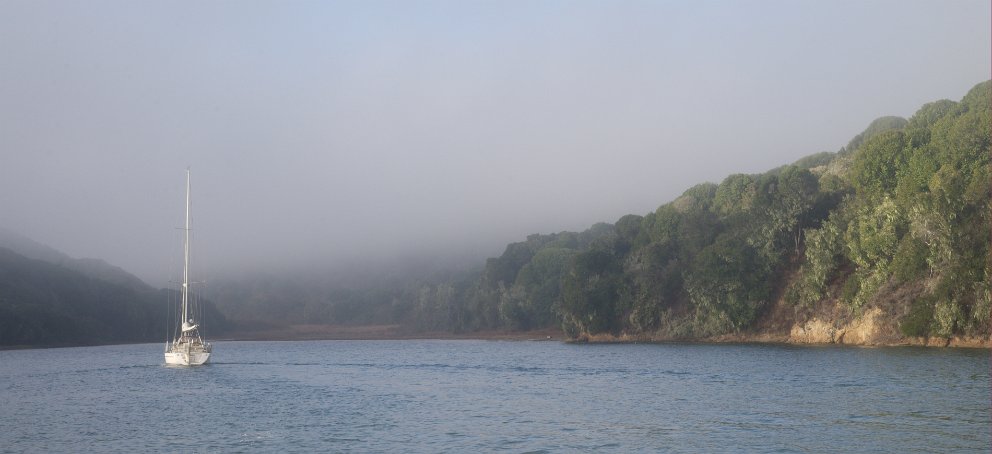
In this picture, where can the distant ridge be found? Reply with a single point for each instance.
(92, 267)
(30, 248)
(50, 299)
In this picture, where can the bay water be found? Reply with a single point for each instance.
(484, 396)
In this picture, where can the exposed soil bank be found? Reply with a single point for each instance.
(786, 338)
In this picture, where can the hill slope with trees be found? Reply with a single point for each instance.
(55, 304)
(886, 239)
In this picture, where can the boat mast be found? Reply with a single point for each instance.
(186, 255)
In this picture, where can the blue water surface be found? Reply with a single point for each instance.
(471, 396)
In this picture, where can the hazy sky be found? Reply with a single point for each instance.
(325, 130)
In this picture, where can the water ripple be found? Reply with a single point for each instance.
(465, 396)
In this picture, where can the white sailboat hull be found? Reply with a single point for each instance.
(186, 357)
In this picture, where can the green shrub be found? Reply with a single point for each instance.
(910, 261)
(917, 322)
(851, 287)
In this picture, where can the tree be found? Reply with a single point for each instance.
(824, 252)
(537, 290)
(590, 292)
(878, 126)
(877, 164)
(728, 284)
(735, 195)
(796, 195)
(872, 237)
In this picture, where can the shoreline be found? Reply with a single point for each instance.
(785, 339)
(398, 333)
(385, 332)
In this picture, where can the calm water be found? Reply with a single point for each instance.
(468, 396)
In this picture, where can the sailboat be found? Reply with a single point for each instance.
(186, 347)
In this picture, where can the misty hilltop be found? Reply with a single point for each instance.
(50, 299)
(884, 241)
(342, 132)
(90, 267)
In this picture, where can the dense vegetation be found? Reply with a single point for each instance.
(903, 209)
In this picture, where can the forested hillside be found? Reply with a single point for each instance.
(896, 224)
(55, 304)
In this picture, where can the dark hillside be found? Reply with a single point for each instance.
(44, 304)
